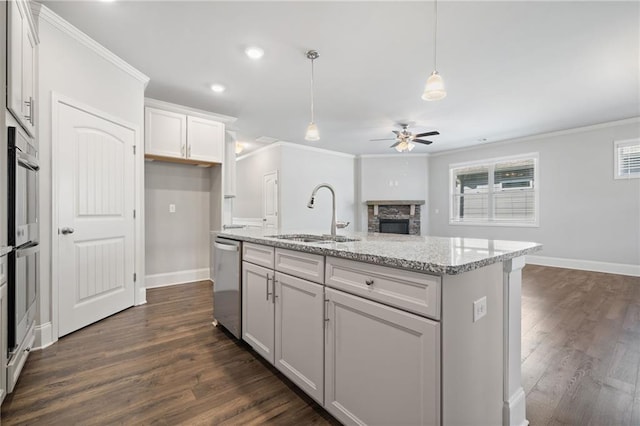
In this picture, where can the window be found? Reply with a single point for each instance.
(499, 191)
(627, 159)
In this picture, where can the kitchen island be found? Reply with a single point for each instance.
(389, 329)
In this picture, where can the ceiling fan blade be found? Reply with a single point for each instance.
(395, 144)
(423, 142)
(396, 132)
(419, 135)
(385, 139)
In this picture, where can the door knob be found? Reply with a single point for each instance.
(65, 231)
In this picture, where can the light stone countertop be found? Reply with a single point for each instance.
(435, 255)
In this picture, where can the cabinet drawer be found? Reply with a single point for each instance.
(258, 254)
(303, 265)
(412, 291)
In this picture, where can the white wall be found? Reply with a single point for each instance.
(68, 67)
(176, 242)
(302, 170)
(250, 170)
(394, 177)
(585, 213)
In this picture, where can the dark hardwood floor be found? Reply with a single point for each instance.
(164, 363)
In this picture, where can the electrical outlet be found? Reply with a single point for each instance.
(172, 208)
(479, 308)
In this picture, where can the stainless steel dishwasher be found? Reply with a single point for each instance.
(227, 296)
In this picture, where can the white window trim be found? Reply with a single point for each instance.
(503, 223)
(616, 145)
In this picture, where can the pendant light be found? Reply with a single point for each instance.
(434, 89)
(312, 130)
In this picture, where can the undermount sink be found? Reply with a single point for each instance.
(310, 238)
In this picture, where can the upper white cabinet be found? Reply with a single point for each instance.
(205, 140)
(230, 166)
(165, 133)
(21, 66)
(184, 136)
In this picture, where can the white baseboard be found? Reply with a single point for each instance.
(179, 277)
(585, 265)
(44, 336)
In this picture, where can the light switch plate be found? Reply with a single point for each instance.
(479, 308)
(172, 208)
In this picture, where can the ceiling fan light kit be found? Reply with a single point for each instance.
(312, 134)
(434, 89)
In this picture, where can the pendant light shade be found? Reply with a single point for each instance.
(312, 132)
(312, 129)
(434, 89)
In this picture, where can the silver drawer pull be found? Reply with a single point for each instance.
(369, 282)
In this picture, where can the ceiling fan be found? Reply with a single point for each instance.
(404, 138)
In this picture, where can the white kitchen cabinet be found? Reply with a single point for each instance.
(165, 133)
(382, 364)
(258, 309)
(205, 140)
(21, 67)
(230, 167)
(299, 333)
(172, 135)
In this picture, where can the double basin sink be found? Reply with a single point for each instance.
(310, 238)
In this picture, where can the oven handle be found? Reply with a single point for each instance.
(28, 161)
(27, 251)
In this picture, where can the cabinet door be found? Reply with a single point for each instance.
(205, 140)
(382, 365)
(14, 59)
(258, 309)
(165, 133)
(300, 333)
(28, 79)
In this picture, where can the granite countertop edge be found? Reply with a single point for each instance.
(397, 262)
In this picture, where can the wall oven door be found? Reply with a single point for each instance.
(22, 178)
(23, 278)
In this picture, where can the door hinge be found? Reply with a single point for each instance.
(134, 150)
(134, 277)
(134, 213)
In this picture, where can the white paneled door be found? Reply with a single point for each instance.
(270, 200)
(95, 164)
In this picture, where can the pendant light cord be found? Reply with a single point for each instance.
(312, 90)
(435, 34)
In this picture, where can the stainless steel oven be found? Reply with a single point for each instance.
(23, 235)
(22, 165)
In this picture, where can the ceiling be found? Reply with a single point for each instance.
(512, 69)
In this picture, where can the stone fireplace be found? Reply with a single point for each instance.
(394, 216)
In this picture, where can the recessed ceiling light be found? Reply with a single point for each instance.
(254, 52)
(218, 88)
(482, 140)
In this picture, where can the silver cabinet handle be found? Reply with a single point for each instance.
(66, 230)
(369, 282)
(274, 281)
(268, 278)
(29, 104)
(182, 150)
(189, 151)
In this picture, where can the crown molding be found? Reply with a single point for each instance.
(557, 133)
(296, 146)
(181, 109)
(46, 14)
(397, 155)
(315, 149)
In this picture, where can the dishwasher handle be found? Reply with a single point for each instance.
(225, 247)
